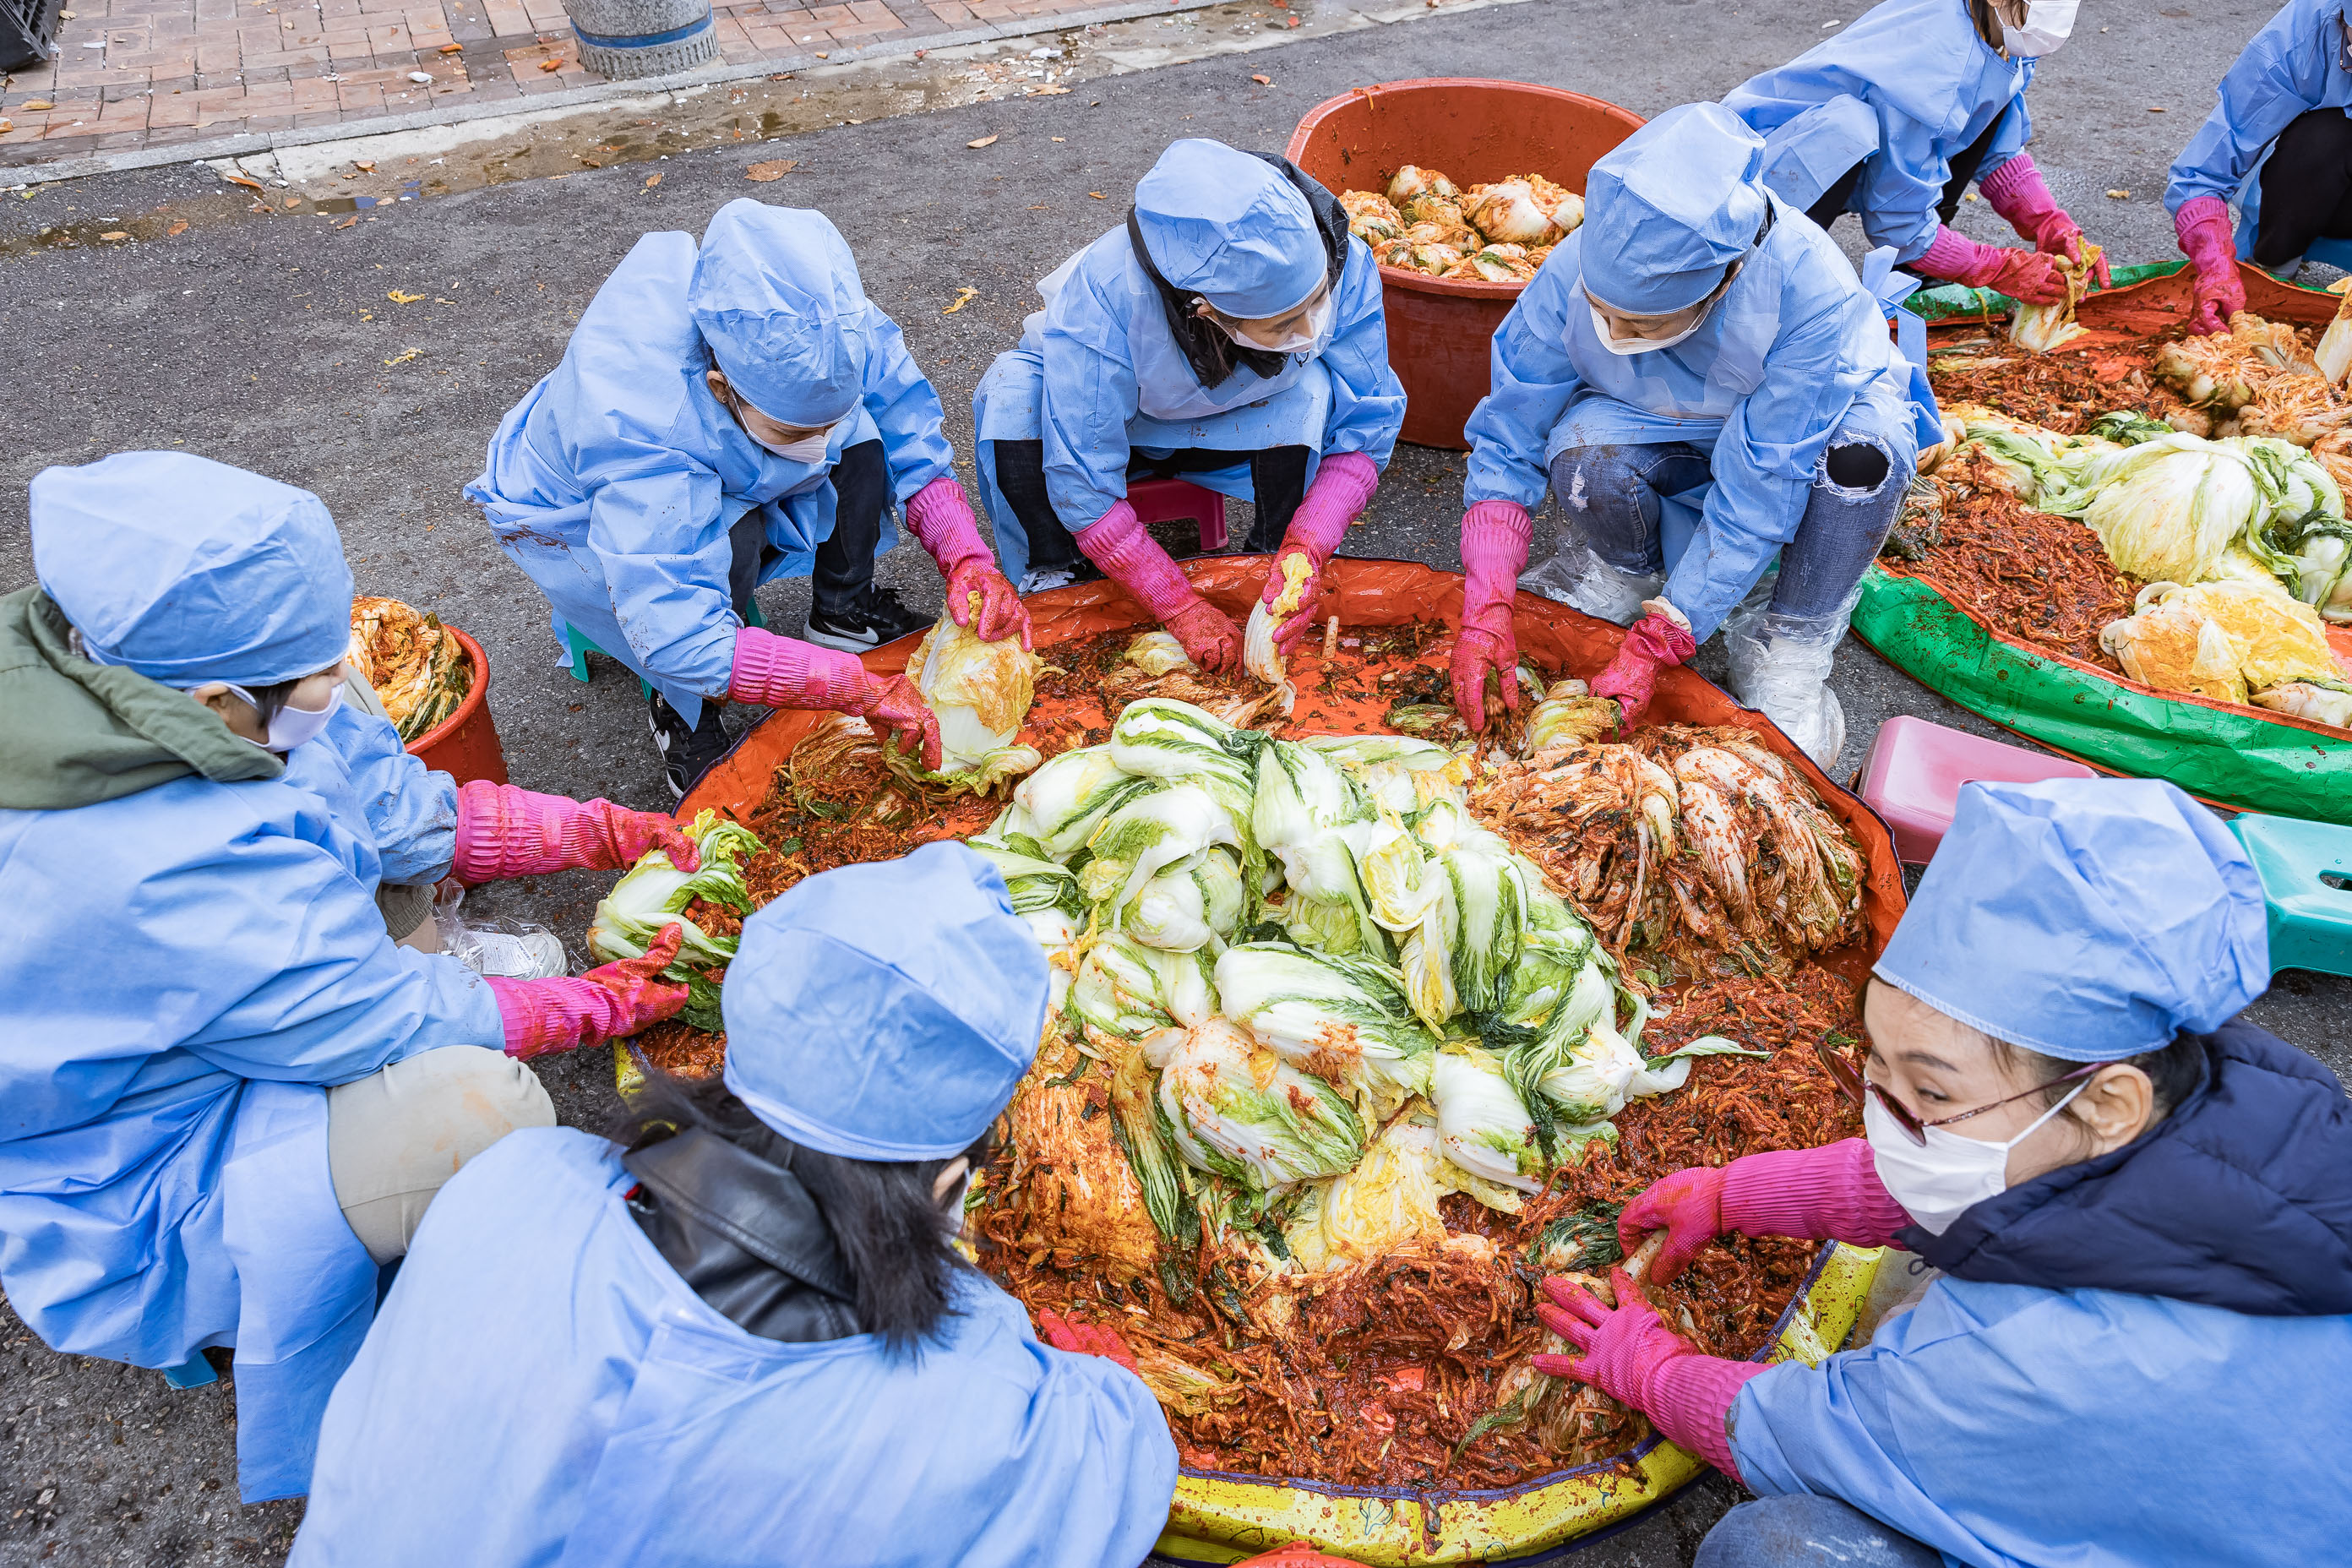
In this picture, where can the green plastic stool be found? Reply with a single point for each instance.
(580, 647)
(2306, 872)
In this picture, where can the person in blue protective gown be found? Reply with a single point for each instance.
(2279, 143)
(727, 414)
(1700, 378)
(1231, 332)
(2132, 1340)
(742, 1334)
(226, 1095)
(1898, 114)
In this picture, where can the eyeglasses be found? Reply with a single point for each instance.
(1854, 1086)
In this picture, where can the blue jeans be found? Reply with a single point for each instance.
(1800, 1531)
(1609, 501)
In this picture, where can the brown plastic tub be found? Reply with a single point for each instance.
(1475, 132)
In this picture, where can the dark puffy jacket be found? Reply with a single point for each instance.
(2241, 1198)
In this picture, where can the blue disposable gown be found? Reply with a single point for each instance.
(359, 766)
(2294, 65)
(2012, 1424)
(542, 1388)
(192, 965)
(1097, 376)
(1907, 87)
(614, 482)
(1795, 351)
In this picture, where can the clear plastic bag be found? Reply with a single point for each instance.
(1780, 667)
(511, 950)
(1575, 576)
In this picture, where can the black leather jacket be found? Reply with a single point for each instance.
(745, 1235)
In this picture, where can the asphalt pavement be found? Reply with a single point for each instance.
(269, 339)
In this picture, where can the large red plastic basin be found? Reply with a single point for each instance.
(1474, 131)
(466, 745)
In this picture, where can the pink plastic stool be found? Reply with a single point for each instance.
(1167, 501)
(1915, 771)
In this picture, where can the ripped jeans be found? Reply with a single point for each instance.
(1609, 498)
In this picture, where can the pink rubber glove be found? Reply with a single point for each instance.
(1084, 1339)
(940, 520)
(506, 832)
(2025, 275)
(1829, 1193)
(1494, 535)
(1129, 555)
(1343, 487)
(1636, 1360)
(784, 672)
(2204, 226)
(2017, 193)
(573, 1010)
(1633, 675)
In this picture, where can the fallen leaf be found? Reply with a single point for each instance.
(6, 124)
(2156, 109)
(652, 180)
(2119, 195)
(984, 142)
(291, 203)
(1263, 80)
(115, 234)
(248, 181)
(551, 64)
(364, 165)
(397, 298)
(347, 221)
(1048, 93)
(179, 225)
(452, 48)
(770, 169)
(824, 57)
(963, 297)
(1292, 23)
(31, 103)
(405, 355)
(1099, 195)
(1039, 207)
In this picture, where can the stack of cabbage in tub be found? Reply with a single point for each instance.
(1296, 954)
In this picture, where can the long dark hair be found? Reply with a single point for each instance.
(895, 1241)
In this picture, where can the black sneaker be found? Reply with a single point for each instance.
(876, 618)
(687, 750)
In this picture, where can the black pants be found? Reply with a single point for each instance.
(1964, 170)
(845, 562)
(1277, 479)
(2306, 188)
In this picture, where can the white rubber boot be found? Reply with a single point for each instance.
(1575, 577)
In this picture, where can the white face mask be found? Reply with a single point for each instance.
(1937, 1181)
(1626, 347)
(290, 726)
(1318, 320)
(2048, 24)
(808, 449)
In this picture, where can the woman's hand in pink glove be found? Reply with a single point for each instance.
(2025, 275)
(1343, 487)
(941, 518)
(1633, 675)
(1209, 638)
(1001, 614)
(1686, 1206)
(503, 832)
(2204, 226)
(2018, 193)
(897, 712)
(1635, 1359)
(1495, 537)
(562, 1014)
(1084, 1339)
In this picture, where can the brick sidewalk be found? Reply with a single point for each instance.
(136, 74)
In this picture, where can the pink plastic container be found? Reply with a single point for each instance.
(1915, 771)
(1166, 500)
